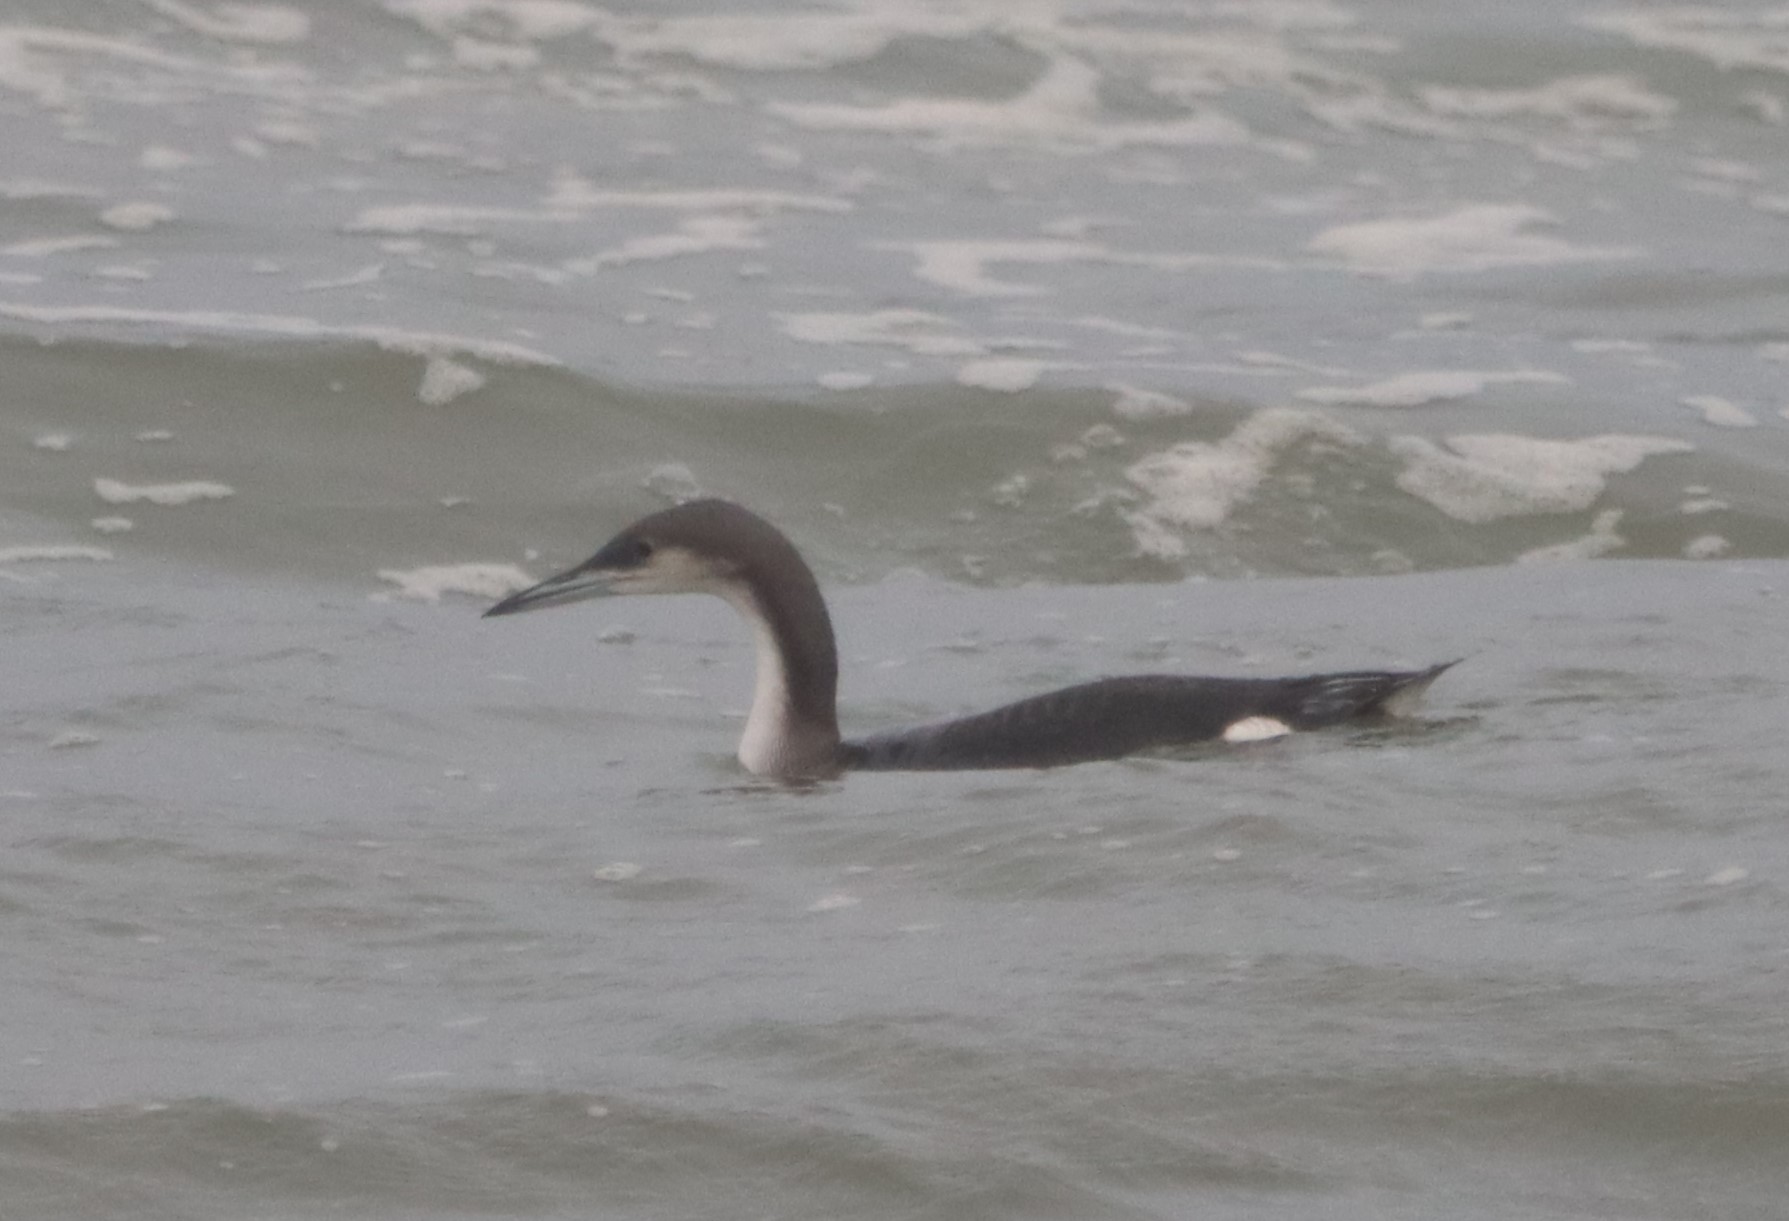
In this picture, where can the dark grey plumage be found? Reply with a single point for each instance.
(1114, 717)
(713, 546)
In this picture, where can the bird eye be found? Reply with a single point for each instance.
(642, 551)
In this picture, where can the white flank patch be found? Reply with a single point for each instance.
(429, 583)
(1256, 729)
(115, 493)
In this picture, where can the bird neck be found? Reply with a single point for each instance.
(793, 728)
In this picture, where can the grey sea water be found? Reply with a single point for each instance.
(1066, 339)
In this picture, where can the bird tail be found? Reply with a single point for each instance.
(1403, 697)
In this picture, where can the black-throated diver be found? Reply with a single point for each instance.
(792, 732)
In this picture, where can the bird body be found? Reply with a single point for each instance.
(792, 733)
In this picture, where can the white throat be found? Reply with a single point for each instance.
(769, 745)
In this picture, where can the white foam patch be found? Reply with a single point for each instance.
(1720, 412)
(834, 903)
(806, 38)
(31, 60)
(431, 582)
(1601, 540)
(1118, 326)
(449, 220)
(444, 380)
(579, 194)
(571, 201)
(1137, 403)
(54, 442)
(52, 553)
(516, 20)
(917, 331)
(163, 158)
(1472, 238)
(353, 279)
(845, 379)
(1062, 110)
(1580, 100)
(1445, 320)
(1766, 106)
(1491, 476)
(168, 494)
(75, 739)
(693, 235)
(1256, 729)
(482, 56)
(264, 24)
(1725, 170)
(285, 326)
(962, 265)
(41, 188)
(617, 871)
(113, 525)
(1706, 547)
(136, 217)
(1195, 485)
(1422, 387)
(1007, 374)
(673, 482)
(1599, 347)
(1727, 36)
(46, 247)
(1279, 363)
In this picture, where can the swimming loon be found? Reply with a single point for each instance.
(792, 732)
